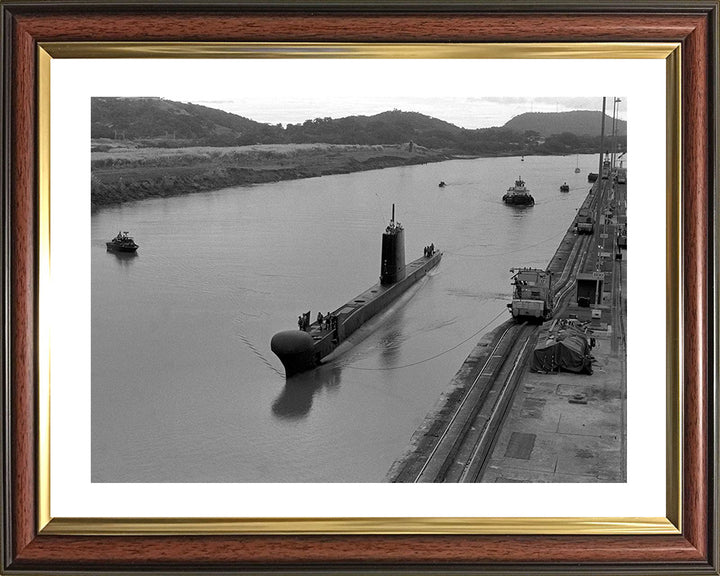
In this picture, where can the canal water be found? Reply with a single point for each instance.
(184, 385)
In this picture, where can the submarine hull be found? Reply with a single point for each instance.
(300, 350)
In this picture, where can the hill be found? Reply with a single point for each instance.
(392, 127)
(578, 122)
(166, 120)
(164, 123)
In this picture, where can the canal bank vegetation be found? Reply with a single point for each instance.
(128, 173)
(152, 147)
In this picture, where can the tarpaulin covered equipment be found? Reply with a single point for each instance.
(572, 354)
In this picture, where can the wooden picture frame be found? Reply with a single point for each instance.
(31, 544)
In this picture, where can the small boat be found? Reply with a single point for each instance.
(592, 177)
(565, 188)
(519, 195)
(122, 243)
(577, 165)
(522, 159)
(442, 184)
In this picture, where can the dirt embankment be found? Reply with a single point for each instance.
(124, 173)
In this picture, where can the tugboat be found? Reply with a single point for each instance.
(565, 188)
(304, 349)
(518, 195)
(122, 243)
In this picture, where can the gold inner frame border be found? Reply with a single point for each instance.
(671, 524)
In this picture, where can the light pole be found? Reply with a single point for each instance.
(602, 144)
(616, 101)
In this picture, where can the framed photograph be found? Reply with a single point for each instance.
(338, 287)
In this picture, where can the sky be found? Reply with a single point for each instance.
(467, 112)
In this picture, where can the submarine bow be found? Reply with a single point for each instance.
(295, 350)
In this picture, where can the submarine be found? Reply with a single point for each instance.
(303, 349)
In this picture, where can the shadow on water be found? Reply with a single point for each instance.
(124, 258)
(296, 398)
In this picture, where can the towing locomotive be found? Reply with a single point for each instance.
(584, 223)
(532, 294)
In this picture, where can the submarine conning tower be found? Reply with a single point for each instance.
(392, 260)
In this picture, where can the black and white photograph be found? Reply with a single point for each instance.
(390, 289)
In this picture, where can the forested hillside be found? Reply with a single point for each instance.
(155, 122)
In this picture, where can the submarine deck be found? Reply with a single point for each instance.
(354, 313)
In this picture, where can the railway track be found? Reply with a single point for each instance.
(490, 384)
(478, 444)
(579, 254)
(449, 441)
(580, 250)
(575, 264)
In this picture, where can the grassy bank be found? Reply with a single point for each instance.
(122, 173)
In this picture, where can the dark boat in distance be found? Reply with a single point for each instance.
(304, 349)
(442, 184)
(518, 195)
(565, 188)
(122, 243)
